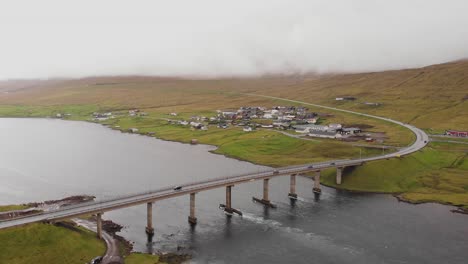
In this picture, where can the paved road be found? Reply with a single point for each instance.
(112, 252)
(194, 187)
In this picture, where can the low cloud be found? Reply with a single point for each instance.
(57, 38)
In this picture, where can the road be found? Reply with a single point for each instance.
(194, 187)
(112, 252)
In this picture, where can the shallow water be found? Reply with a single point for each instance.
(44, 159)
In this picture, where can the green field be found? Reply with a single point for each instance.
(48, 244)
(138, 258)
(438, 173)
(6, 208)
(433, 98)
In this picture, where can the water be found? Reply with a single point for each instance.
(48, 159)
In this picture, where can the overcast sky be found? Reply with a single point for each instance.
(61, 38)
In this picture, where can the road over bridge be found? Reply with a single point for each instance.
(99, 207)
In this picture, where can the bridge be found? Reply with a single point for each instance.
(192, 188)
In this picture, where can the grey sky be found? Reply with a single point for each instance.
(60, 38)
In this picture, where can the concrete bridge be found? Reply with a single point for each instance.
(192, 188)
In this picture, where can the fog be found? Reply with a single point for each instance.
(58, 38)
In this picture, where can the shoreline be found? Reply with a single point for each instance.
(109, 126)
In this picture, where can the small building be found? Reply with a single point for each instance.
(133, 130)
(345, 98)
(173, 114)
(455, 133)
(324, 134)
(194, 141)
(196, 125)
(335, 126)
(350, 130)
(247, 129)
(311, 127)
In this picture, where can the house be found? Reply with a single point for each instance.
(184, 123)
(455, 133)
(58, 116)
(324, 134)
(247, 129)
(371, 103)
(345, 98)
(133, 130)
(335, 126)
(267, 126)
(350, 130)
(310, 127)
(312, 120)
(173, 114)
(196, 125)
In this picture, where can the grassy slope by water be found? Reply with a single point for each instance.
(5, 208)
(48, 244)
(138, 258)
(438, 173)
(433, 98)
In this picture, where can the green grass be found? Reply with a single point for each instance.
(438, 173)
(48, 244)
(5, 208)
(139, 258)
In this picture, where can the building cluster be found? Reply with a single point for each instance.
(456, 133)
(278, 113)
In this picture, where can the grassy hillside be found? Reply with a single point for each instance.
(43, 243)
(433, 97)
(438, 173)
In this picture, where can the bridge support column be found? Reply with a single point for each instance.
(265, 200)
(292, 187)
(99, 225)
(265, 190)
(192, 219)
(316, 188)
(339, 172)
(149, 219)
(228, 206)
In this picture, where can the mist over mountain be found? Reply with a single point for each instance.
(52, 38)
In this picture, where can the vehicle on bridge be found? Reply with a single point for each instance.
(177, 188)
(276, 172)
(310, 167)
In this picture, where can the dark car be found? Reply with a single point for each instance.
(177, 188)
(333, 163)
(276, 172)
(96, 260)
(310, 167)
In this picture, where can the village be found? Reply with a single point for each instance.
(294, 121)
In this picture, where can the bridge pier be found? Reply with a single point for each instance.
(339, 172)
(265, 200)
(192, 219)
(316, 188)
(149, 219)
(99, 225)
(292, 187)
(228, 207)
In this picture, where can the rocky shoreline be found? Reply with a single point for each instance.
(458, 210)
(107, 225)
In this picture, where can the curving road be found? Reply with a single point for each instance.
(112, 255)
(194, 187)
